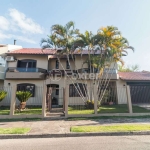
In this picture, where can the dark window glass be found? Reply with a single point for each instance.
(26, 87)
(67, 65)
(76, 88)
(57, 89)
(27, 63)
(57, 64)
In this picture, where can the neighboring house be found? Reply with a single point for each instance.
(3, 65)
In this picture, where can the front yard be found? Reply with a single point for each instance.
(107, 109)
(28, 111)
(78, 110)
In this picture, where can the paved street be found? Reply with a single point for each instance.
(79, 143)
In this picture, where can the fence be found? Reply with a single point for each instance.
(10, 105)
(5, 103)
(115, 101)
(109, 100)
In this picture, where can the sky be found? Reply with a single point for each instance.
(30, 20)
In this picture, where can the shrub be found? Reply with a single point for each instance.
(89, 104)
(23, 96)
(2, 95)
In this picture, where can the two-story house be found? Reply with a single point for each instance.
(32, 68)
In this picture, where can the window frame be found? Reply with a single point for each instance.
(57, 64)
(74, 93)
(67, 64)
(24, 85)
(27, 61)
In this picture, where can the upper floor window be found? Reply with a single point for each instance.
(57, 64)
(27, 65)
(26, 87)
(67, 65)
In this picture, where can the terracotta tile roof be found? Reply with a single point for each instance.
(35, 51)
(134, 76)
(38, 51)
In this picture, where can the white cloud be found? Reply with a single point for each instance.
(4, 36)
(4, 23)
(22, 38)
(17, 37)
(18, 26)
(24, 23)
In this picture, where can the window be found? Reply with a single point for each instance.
(67, 65)
(73, 90)
(27, 65)
(26, 87)
(57, 64)
(57, 90)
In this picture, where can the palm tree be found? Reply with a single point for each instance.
(114, 46)
(108, 42)
(62, 37)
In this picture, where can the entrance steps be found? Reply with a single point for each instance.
(55, 113)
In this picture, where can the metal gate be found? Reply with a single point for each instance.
(140, 93)
(55, 98)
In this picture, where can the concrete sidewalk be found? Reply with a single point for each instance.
(62, 127)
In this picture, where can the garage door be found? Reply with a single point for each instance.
(140, 93)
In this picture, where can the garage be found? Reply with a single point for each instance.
(139, 83)
(140, 92)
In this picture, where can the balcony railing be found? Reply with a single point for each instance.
(14, 69)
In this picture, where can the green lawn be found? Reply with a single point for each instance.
(14, 130)
(111, 128)
(107, 109)
(73, 110)
(30, 110)
(4, 110)
(107, 117)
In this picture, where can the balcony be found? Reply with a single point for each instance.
(25, 73)
(84, 73)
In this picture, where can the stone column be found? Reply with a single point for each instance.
(66, 100)
(44, 101)
(129, 103)
(95, 99)
(13, 99)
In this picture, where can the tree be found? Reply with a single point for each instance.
(132, 68)
(105, 47)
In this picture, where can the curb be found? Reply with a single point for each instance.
(24, 136)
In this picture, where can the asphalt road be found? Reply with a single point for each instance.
(78, 143)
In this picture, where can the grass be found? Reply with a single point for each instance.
(4, 110)
(107, 117)
(20, 119)
(30, 111)
(107, 109)
(14, 130)
(111, 128)
(73, 110)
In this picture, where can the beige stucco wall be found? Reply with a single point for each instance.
(36, 100)
(121, 92)
(42, 60)
(79, 61)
